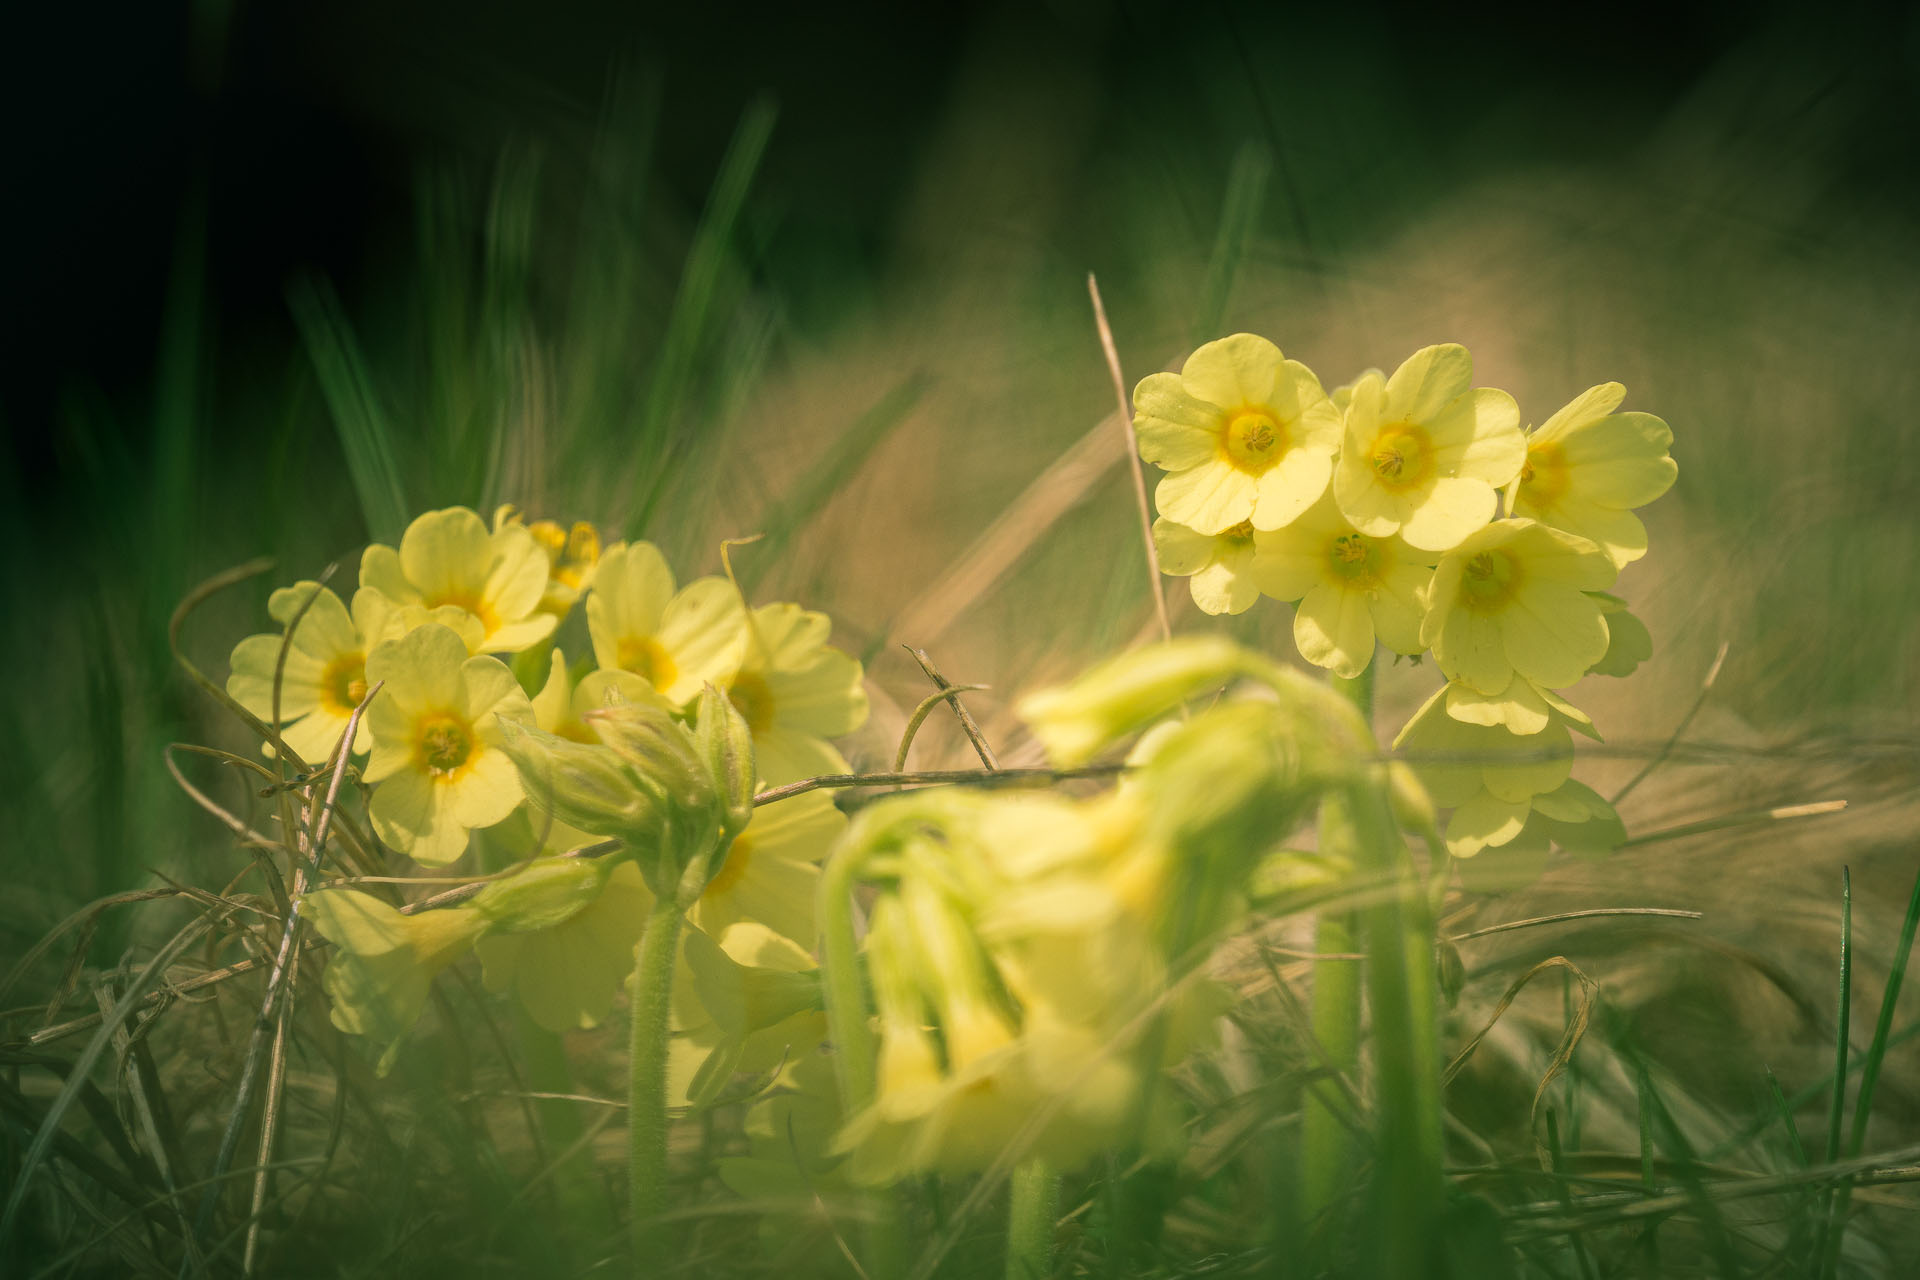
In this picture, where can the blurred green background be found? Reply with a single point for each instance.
(282, 275)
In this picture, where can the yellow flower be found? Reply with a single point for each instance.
(1352, 588)
(572, 555)
(384, 962)
(1486, 774)
(745, 1001)
(435, 759)
(565, 976)
(1629, 643)
(1246, 435)
(1573, 816)
(562, 703)
(1221, 568)
(447, 558)
(1512, 599)
(795, 691)
(325, 676)
(772, 869)
(1126, 693)
(676, 642)
(1587, 467)
(1424, 450)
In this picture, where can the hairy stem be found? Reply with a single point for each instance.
(1032, 1210)
(647, 1083)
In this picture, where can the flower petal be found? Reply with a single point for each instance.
(1553, 633)
(1426, 382)
(1333, 628)
(1180, 549)
(1235, 371)
(1291, 486)
(1453, 508)
(446, 555)
(1172, 429)
(1208, 499)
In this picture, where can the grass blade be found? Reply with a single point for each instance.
(1246, 189)
(366, 436)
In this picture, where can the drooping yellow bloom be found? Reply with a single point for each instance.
(1587, 467)
(1352, 588)
(1511, 600)
(772, 869)
(572, 555)
(795, 691)
(566, 976)
(1425, 450)
(677, 642)
(436, 761)
(447, 558)
(384, 962)
(745, 1001)
(1485, 773)
(1573, 817)
(1221, 568)
(325, 674)
(1245, 434)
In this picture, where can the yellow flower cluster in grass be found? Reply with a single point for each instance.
(455, 629)
(1411, 510)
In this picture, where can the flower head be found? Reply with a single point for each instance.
(325, 676)
(436, 762)
(1424, 450)
(563, 702)
(795, 691)
(1512, 599)
(1245, 434)
(448, 559)
(675, 641)
(1587, 467)
(1352, 589)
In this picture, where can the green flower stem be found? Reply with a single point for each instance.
(647, 1083)
(1327, 1145)
(1401, 990)
(854, 1049)
(1032, 1210)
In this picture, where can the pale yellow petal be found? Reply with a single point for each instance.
(1171, 428)
(1227, 585)
(1539, 763)
(518, 574)
(1399, 606)
(409, 813)
(553, 705)
(422, 669)
(1553, 633)
(1333, 628)
(487, 790)
(1181, 550)
(704, 631)
(1483, 820)
(1518, 708)
(1589, 406)
(491, 690)
(1452, 509)
(446, 555)
(380, 569)
(251, 680)
(1238, 370)
(326, 629)
(787, 755)
(1472, 647)
(1365, 503)
(1621, 461)
(1209, 498)
(1286, 565)
(1290, 487)
(1426, 382)
(1478, 436)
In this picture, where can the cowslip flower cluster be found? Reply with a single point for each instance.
(485, 742)
(1026, 952)
(1428, 521)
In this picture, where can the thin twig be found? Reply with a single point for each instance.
(1577, 915)
(931, 777)
(949, 694)
(979, 741)
(1133, 456)
(1699, 700)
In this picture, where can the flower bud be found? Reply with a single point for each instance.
(726, 744)
(655, 746)
(1126, 693)
(585, 786)
(545, 893)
